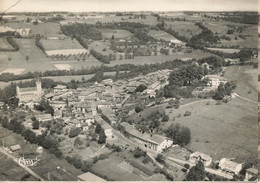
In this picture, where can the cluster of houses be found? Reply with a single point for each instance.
(225, 165)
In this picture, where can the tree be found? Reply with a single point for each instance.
(78, 142)
(165, 118)
(102, 137)
(138, 109)
(160, 159)
(197, 172)
(140, 88)
(36, 125)
(98, 128)
(113, 37)
(74, 132)
(180, 135)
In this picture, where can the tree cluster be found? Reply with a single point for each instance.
(45, 106)
(179, 134)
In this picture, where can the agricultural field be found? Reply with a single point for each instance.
(245, 38)
(150, 20)
(48, 29)
(141, 60)
(60, 44)
(4, 45)
(184, 28)
(120, 34)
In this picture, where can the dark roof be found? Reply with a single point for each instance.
(30, 89)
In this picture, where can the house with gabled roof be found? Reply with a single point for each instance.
(198, 156)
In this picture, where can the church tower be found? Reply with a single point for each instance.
(39, 87)
(17, 91)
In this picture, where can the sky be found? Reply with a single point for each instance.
(128, 5)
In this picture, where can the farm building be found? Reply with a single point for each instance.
(232, 61)
(90, 177)
(25, 95)
(24, 32)
(16, 147)
(198, 156)
(250, 174)
(214, 80)
(154, 142)
(230, 166)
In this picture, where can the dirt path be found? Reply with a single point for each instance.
(243, 98)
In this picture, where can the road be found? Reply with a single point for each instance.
(24, 167)
(243, 98)
(210, 170)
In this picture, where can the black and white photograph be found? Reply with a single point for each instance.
(129, 90)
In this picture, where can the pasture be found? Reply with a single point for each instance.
(108, 33)
(246, 79)
(227, 130)
(101, 47)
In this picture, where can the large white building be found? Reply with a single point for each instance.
(154, 142)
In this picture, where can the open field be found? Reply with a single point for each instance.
(44, 29)
(4, 44)
(141, 60)
(108, 33)
(187, 29)
(101, 47)
(227, 130)
(162, 35)
(246, 79)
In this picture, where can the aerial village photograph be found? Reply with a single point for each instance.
(128, 90)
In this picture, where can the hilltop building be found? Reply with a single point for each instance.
(29, 94)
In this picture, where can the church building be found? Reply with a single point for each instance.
(30, 94)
